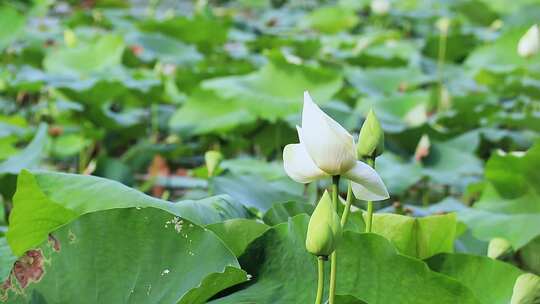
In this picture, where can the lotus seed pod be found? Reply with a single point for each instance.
(212, 159)
(371, 138)
(529, 44)
(497, 247)
(526, 289)
(324, 229)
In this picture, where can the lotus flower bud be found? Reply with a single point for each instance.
(70, 39)
(212, 159)
(443, 24)
(526, 289)
(371, 138)
(380, 7)
(497, 247)
(422, 149)
(324, 229)
(529, 44)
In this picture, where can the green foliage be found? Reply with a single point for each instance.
(132, 94)
(158, 254)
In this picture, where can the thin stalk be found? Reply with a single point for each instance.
(348, 202)
(443, 38)
(154, 122)
(320, 283)
(333, 257)
(369, 222)
(371, 163)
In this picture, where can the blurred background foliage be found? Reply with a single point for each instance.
(139, 91)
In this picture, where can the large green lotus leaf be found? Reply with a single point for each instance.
(45, 201)
(386, 81)
(398, 174)
(202, 29)
(127, 255)
(207, 112)
(530, 256)
(519, 228)
(509, 206)
(94, 56)
(281, 212)
(458, 45)
(255, 191)
(332, 19)
(11, 23)
(276, 90)
(237, 234)
(514, 175)
(453, 162)
(490, 280)
(155, 46)
(419, 237)
(6, 259)
(29, 157)
(501, 54)
(369, 268)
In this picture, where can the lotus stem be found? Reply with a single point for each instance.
(348, 202)
(371, 163)
(320, 283)
(333, 257)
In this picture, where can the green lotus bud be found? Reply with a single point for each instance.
(371, 138)
(526, 289)
(212, 159)
(497, 247)
(324, 229)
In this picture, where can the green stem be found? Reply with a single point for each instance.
(440, 64)
(333, 257)
(348, 202)
(371, 163)
(369, 216)
(320, 284)
(154, 122)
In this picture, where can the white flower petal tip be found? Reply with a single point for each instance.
(367, 185)
(299, 166)
(330, 146)
(529, 44)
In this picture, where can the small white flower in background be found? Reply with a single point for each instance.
(327, 149)
(529, 44)
(380, 7)
(443, 24)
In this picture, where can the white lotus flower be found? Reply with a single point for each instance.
(327, 149)
(380, 7)
(529, 44)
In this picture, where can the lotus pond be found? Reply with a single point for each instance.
(270, 151)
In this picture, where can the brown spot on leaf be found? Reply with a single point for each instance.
(72, 237)
(29, 268)
(4, 288)
(54, 242)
